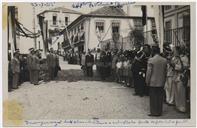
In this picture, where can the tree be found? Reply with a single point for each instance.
(136, 37)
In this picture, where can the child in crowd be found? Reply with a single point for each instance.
(126, 71)
(118, 70)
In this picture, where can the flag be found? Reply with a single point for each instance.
(98, 34)
(144, 15)
(158, 16)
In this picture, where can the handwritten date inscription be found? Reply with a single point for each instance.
(94, 4)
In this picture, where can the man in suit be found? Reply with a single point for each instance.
(35, 68)
(15, 68)
(51, 64)
(57, 66)
(29, 63)
(89, 62)
(155, 79)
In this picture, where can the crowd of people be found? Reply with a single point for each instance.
(32, 68)
(164, 77)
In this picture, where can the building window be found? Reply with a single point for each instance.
(138, 24)
(168, 31)
(54, 20)
(66, 21)
(100, 26)
(82, 27)
(167, 7)
(115, 27)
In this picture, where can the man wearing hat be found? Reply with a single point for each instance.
(89, 62)
(35, 67)
(29, 63)
(15, 66)
(51, 64)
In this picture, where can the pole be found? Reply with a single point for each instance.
(146, 27)
(34, 27)
(122, 43)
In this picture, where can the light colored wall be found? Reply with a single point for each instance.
(60, 16)
(135, 10)
(26, 19)
(124, 29)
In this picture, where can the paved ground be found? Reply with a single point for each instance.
(83, 100)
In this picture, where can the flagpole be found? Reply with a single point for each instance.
(146, 26)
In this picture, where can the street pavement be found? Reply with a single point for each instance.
(84, 100)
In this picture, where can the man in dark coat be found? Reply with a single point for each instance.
(102, 66)
(29, 64)
(57, 66)
(155, 79)
(51, 64)
(139, 70)
(36, 68)
(89, 62)
(108, 63)
(15, 68)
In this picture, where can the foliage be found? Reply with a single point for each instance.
(136, 37)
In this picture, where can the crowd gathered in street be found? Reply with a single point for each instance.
(164, 77)
(32, 68)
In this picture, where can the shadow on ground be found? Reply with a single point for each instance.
(74, 75)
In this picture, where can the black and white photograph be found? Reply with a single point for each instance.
(98, 63)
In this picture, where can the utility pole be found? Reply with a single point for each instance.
(34, 27)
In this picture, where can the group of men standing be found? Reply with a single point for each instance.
(52, 61)
(33, 64)
(36, 68)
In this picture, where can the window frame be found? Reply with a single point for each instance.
(100, 21)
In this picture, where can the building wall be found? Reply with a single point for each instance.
(60, 17)
(124, 30)
(24, 43)
(175, 14)
(107, 34)
(179, 35)
(135, 10)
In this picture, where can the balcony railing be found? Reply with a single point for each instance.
(178, 36)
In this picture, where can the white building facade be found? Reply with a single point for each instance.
(100, 26)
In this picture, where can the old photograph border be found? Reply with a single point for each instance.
(100, 122)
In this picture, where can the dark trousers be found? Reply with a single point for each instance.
(51, 73)
(10, 78)
(139, 84)
(56, 71)
(15, 80)
(156, 100)
(35, 74)
(30, 76)
(89, 71)
(102, 73)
